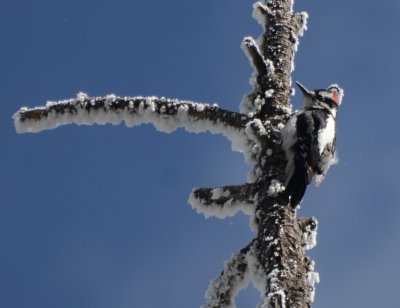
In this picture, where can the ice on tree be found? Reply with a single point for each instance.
(260, 13)
(303, 16)
(222, 202)
(165, 114)
(234, 277)
(275, 188)
(310, 234)
(276, 255)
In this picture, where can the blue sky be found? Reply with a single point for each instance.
(98, 216)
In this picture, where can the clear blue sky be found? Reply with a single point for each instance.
(98, 216)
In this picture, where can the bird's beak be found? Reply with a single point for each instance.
(303, 89)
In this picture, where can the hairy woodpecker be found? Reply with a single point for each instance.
(309, 140)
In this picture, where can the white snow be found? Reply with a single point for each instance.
(275, 188)
(146, 112)
(270, 66)
(81, 96)
(200, 107)
(110, 98)
(248, 40)
(219, 192)
(246, 106)
(304, 17)
(280, 126)
(269, 93)
(228, 209)
(256, 273)
(260, 17)
(232, 280)
(255, 130)
(309, 238)
(313, 278)
(275, 289)
(258, 103)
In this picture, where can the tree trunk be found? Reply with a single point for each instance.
(275, 260)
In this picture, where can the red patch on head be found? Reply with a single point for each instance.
(336, 98)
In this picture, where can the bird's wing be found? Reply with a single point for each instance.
(325, 161)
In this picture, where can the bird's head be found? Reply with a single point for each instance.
(332, 95)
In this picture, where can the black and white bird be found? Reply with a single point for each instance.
(309, 140)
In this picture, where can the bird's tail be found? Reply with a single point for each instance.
(297, 184)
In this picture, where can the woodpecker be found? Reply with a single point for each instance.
(309, 140)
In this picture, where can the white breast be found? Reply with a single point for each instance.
(326, 135)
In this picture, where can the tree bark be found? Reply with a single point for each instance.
(278, 266)
(275, 260)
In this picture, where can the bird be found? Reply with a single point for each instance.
(309, 140)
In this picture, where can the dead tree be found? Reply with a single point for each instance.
(275, 260)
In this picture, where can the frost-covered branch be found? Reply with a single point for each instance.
(250, 47)
(224, 201)
(261, 12)
(165, 114)
(275, 260)
(309, 226)
(300, 23)
(234, 277)
(276, 47)
(285, 275)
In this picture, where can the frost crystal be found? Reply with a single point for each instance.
(274, 289)
(215, 209)
(81, 96)
(229, 284)
(110, 98)
(313, 278)
(304, 18)
(219, 192)
(259, 10)
(310, 236)
(200, 107)
(269, 93)
(258, 103)
(275, 188)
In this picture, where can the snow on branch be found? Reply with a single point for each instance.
(253, 53)
(262, 69)
(224, 201)
(274, 261)
(260, 13)
(300, 22)
(309, 227)
(165, 114)
(256, 131)
(234, 277)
